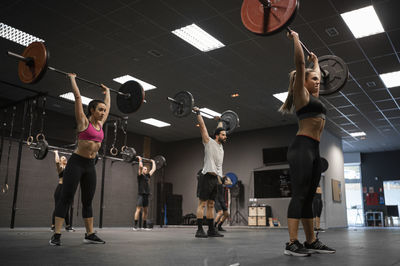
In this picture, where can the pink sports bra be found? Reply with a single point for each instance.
(91, 133)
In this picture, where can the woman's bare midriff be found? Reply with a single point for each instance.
(311, 127)
(88, 148)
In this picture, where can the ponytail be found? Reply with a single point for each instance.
(287, 107)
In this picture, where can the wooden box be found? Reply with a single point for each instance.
(252, 211)
(261, 221)
(252, 220)
(261, 211)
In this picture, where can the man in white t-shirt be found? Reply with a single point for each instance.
(210, 176)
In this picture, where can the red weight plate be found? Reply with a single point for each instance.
(32, 73)
(260, 19)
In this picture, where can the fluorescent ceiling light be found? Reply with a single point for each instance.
(208, 113)
(391, 79)
(358, 134)
(363, 22)
(198, 37)
(70, 96)
(17, 36)
(155, 122)
(281, 96)
(146, 86)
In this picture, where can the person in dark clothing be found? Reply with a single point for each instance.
(143, 192)
(303, 154)
(317, 209)
(61, 162)
(220, 204)
(81, 165)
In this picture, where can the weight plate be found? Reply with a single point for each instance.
(41, 149)
(324, 164)
(32, 73)
(260, 19)
(132, 103)
(183, 105)
(160, 161)
(337, 74)
(230, 121)
(128, 154)
(233, 178)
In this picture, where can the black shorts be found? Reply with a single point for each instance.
(142, 200)
(220, 205)
(207, 187)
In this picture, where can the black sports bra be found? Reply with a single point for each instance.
(314, 108)
(60, 174)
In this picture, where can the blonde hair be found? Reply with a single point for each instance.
(288, 106)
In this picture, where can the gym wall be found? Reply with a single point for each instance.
(384, 166)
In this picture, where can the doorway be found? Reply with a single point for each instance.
(354, 201)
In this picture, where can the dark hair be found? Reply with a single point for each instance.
(218, 130)
(92, 105)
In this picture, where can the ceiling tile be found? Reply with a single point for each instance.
(336, 22)
(376, 45)
(387, 12)
(385, 105)
(361, 69)
(348, 51)
(385, 64)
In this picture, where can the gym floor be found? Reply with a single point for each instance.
(177, 246)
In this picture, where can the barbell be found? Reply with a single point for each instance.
(268, 17)
(183, 103)
(34, 62)
(129, 155)
(42, 147)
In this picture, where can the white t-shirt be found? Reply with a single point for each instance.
(213, 157)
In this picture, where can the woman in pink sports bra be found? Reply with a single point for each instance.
(81, 165)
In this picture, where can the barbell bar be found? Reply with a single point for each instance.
(266, 17)
(183, 103)
(33, 64)
(129, 155)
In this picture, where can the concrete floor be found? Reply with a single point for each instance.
(177, 246)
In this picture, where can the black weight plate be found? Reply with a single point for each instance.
(160, 161)
(41, 149)
(338, 73)
(261, 20)
(230, 121)
(128, 154)
(324, 164)
(185, 105)
(132, 103)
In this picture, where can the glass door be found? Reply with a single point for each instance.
(354, 202)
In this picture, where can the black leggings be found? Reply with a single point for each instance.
(57, 197)
(78, 170)
(317, 205)
(305, 173)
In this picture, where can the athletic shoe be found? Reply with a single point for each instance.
(213, 233)
(93, 239)
(146, 229)
(69, 229)
(318, 247)
(221, 229)
(52, 228)
(135, 228)
(55, 240)
(200, 233)
(296, 249)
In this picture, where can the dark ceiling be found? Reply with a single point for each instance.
(101, 40)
